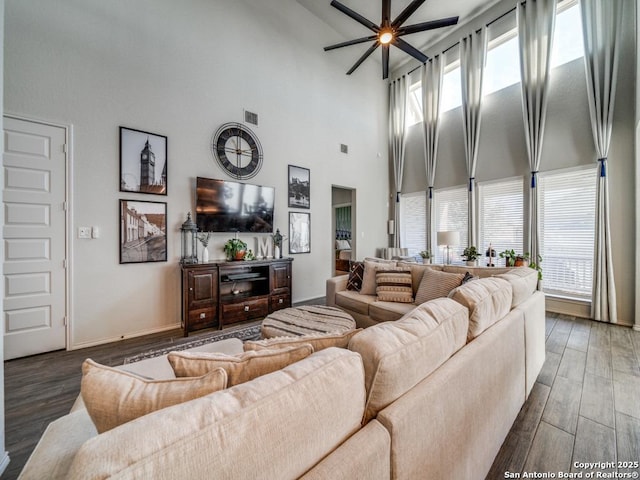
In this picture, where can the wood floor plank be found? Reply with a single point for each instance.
(600, 337)
(628, 440)
(550, 322)
(572, 364)
(513, 453)
(623, 359)
(564, 404)
(599, 362)
(557, 341)
(551, 450)
(626, 394)
(579, 336)
(549, 368)
(594, 443)
(597, 400)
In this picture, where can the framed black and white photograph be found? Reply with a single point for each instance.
(143, 231)
(299, 232)
(299, 187)
(143, 162)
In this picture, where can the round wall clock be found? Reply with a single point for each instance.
(237, 150)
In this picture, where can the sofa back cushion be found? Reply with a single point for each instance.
(417, 270)
(488, 300)
(276, 426)
(318, 342)
(397, 355)
(523, 280)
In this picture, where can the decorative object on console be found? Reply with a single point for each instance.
(299, 232)
(389, 32)
(490, 254)
(143, 231)
(471, 255)
(143, 162)
(204, 240)
(188, 235)
(235, 249)
(237, 150)
(448, 239)
(299, 187)
(277, 244)
(426, 256)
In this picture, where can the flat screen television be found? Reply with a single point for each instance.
(225, 206)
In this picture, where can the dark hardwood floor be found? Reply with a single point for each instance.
(585, 405)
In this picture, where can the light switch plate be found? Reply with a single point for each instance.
(84, 232)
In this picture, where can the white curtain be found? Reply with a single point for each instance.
(536, 20)
(431, 94)
(601, 25)
(473, 54)
(398, 91)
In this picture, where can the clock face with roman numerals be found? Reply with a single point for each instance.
(237, 150)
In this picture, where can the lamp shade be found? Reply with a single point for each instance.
(448, 238)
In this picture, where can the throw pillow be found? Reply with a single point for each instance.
(356, 272)
(113, 397)
(394, 285)
(369, 276)
(318, 342)
(240, 368)
(436, 284)
(468, 277)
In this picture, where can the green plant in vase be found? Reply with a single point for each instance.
(471, 255)
(426, 256)
(235, 249)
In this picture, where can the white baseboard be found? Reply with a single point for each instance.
(102, 341)
(566, 306)
(4, 463)
(636, 327)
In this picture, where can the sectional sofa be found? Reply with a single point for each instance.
(430, 395)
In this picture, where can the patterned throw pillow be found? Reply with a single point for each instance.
(356, 272)
(468, 277)
(394, 285)
(436, 284)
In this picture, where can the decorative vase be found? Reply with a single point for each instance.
(276, 252)
(426, 261)
(205, 254)
(472, 263)
(240, 255)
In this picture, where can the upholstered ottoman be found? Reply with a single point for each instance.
(307, 319)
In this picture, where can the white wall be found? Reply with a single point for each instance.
(182, 69)
(568, 142)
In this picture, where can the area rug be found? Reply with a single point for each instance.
(245, 333)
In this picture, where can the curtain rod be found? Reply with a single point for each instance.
(477, 31)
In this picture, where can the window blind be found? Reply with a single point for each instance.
(567, 231)
(451, 206)
(413, 222)
(500, 222)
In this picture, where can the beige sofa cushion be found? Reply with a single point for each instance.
(262, 428)
(113, 397)
(417, 270)
(398, 355)
(240, 368)
(523, 280)
(394, 285)
(389, 311)
(369, 277)
(488, 300)
(436, 284)
(318, 342)
(354, 301)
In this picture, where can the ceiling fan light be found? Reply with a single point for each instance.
(386, 36)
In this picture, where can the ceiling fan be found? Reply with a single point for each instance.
(389, 32)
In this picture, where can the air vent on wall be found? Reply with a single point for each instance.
(251, 117)
(344, 148)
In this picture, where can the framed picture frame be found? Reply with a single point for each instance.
(143, 231)
(299, 187)
(299, 232)
(143, 162)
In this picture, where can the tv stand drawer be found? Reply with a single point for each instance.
(246, 310)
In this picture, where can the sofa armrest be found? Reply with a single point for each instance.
(335, 285)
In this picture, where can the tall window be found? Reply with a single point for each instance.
(451, 206)
(413, 222)
(500, 222)
(567, 230)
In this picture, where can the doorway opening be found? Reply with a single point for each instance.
(343, 221)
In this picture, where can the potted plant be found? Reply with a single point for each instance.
(235, 249)
(471, 255)
(426, 256)
(513, 259)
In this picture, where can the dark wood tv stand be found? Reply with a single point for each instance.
(216, 294)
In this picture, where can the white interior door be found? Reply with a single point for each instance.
(34, 268)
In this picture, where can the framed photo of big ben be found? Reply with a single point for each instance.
(143, 162)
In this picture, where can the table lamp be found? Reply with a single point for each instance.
(448, 239)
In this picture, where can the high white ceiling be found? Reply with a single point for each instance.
(348, 29)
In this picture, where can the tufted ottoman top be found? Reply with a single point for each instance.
(307, 319)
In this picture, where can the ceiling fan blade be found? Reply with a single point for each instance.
(421, 27)
(406, 13)
(386, 13)
(385, 61)
(350, 42)
(355, 15)
(363, 57)
(414, 52)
